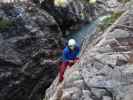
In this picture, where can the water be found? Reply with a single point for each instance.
(88, 29)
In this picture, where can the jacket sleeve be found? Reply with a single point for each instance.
(65, 56)
(78, 51)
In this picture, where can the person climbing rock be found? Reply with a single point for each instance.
(70, 57)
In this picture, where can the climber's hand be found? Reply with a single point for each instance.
(77, 61)
(71, 61)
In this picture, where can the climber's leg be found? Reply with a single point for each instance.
(62, 70)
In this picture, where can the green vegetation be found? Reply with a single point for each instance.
(110, 20)
(5, 24)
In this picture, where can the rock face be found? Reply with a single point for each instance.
(70, 16)
(28, 64)
(105, 68)
(76, 12)
(29, 41)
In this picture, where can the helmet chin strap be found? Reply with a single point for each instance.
(72, 47)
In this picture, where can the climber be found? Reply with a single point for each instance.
(70, 57)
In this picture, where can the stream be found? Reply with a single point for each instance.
(87, 30)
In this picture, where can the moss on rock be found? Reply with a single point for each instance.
(108, 21)
(5, 24)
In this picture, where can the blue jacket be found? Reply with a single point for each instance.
(69, 54)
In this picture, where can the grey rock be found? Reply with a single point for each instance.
(86, 95)
(76, 12)
(98, 92)
(118, 33)
(24, 46)
(107, 98)
(106, 67)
